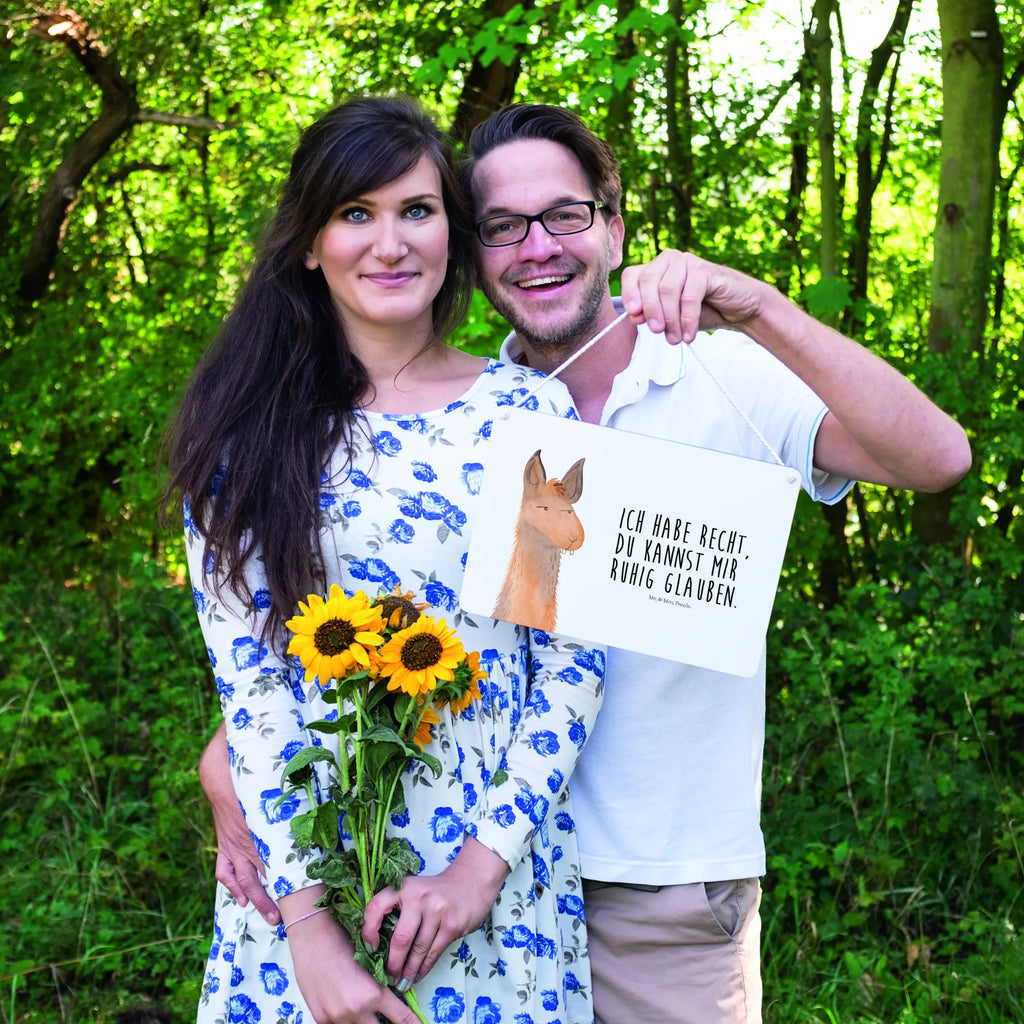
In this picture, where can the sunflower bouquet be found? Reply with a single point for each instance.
(390, 669)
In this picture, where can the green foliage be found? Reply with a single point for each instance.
(893, 776)
(104, 837)
(892, 805)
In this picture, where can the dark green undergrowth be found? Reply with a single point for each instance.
(106, 863)
(894, 799)
(893, 794)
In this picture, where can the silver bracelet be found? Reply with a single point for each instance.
(312, 913)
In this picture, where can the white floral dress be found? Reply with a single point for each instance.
(403, 516)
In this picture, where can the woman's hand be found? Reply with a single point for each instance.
(336, 989)
(435, 910)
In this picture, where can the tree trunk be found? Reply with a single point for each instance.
(486, 89)
(869, 171)
(679, 132)
(973, 107)
(819, 55)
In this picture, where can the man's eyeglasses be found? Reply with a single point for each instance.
(564, 219)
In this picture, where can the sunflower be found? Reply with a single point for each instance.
(423, 732)
(331, 637)
(472, 691)
(398, 609)
(417, 657)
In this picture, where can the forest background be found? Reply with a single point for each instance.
(865, 157)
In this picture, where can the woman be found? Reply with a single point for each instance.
(330, 436)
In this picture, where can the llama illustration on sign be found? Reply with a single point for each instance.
(547, 526)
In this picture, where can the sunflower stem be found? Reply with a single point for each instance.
(414, 1004)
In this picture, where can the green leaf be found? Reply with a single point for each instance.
(302, 826)
(325, 826)
(338, 869)
(298, 769)
(828, 297)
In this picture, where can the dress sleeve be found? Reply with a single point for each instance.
(564, 696)
(264, 707)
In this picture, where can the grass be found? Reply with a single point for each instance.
(893, 809)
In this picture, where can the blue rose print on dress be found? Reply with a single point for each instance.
(387, 444)
(357, 478)
(570, 904)
(327, 500)
(289, 750)
(555, 780)
(261, 600)
(261, 847)
(227, 952)
(374, 570)
(546, 948)
(247, 652)
(218, 937)
(351, 509)
(473, 476)
(589, 660)
(549, 999)
(578, 734)
(519, 937)
(513, 397)
(541, 875)
(401, 531)
(424, 472)
(571, 675)
(237, 977)
(545, 742)
(448, 1005)
(282, 887)
(446, 825)
(454, 518)
(504, 815)
(533, 805)
(538, 701)
(241, 719)
(242, 1010)
(199, 600)
(274, 811)
(274, 979)
(414, 424)
(564, 822)
(486, 1011)
(484, 433)
(441, 596)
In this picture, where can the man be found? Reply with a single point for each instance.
(671, 853)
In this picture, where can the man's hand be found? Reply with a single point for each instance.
(680, 293)
(435, 910)
(238, 865)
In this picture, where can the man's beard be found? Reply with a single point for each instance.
(565, 337)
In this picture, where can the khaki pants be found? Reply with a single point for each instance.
(675, 954)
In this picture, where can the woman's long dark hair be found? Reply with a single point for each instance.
(275, 394)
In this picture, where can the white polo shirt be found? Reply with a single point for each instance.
(668, 788)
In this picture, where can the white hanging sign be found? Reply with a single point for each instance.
(629, 541)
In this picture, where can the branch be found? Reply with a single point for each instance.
(206, 124)
(119, 113)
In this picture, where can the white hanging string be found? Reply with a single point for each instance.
(690, 350)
